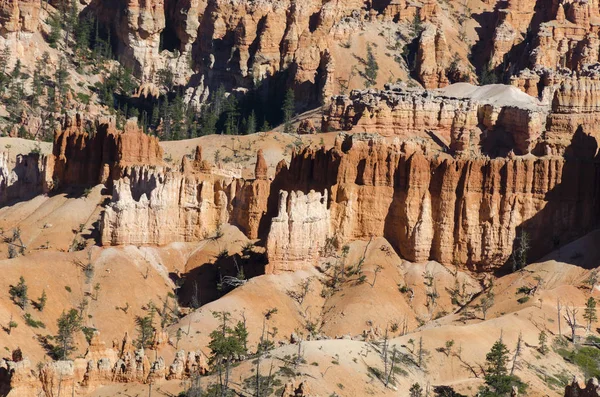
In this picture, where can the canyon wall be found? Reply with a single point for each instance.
(90, 156)
(25, 177)
(459, 111)
(463, 211)
(159, 205)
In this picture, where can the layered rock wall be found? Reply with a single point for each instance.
(451, 210)
(405, 113)
(89, 158)
(28, 176)
(159, 205)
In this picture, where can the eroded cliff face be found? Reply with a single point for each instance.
(464, 117)
(159, 205)
(299, 231)
(19, 16)
(84, 157)
(27, 177)
(450, 210)
(156, 206)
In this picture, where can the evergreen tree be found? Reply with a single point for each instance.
(288, 111)
(251, 123)
(42, 301)
(166, 78)
(71, 19)
(231, 116)
(68, 324)
(226, 346)
(145, 329)
(209, 122)
(166, 118)
(589, 313)
(416, 390)
(497, 380)
(39, 78)
(18, 293)
(4, 77)
(82, 34)
(371, 68)
(55, 30)
(266, 127)
(155, 118)
(62, 87)
(177, 117)
(218, 101)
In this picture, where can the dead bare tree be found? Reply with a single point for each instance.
(571, 319)
(558, 310)
(517, 354)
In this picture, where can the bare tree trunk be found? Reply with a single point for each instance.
(558, 310)
(517, 354)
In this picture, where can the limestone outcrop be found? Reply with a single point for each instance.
(159, 205)
(26, 177)
(156, 206)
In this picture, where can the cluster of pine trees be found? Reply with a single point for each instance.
(87, 48)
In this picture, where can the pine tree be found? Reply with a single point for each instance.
(145, 329)
(266, 127)
(209, 122)
(226, 345)
(415, 390)
(71, 20)
(231, 116)
(155, 118)
(371, 68)
(251, 124)
(68, 324)
(4, 77)
(55, 30)
(42, 301)
(177, 117)
(38, 79)
(82, 34)
(60, 78)
(497, 380)
(18, 293)
(218, 101)
(288, 111)
(589, 313)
